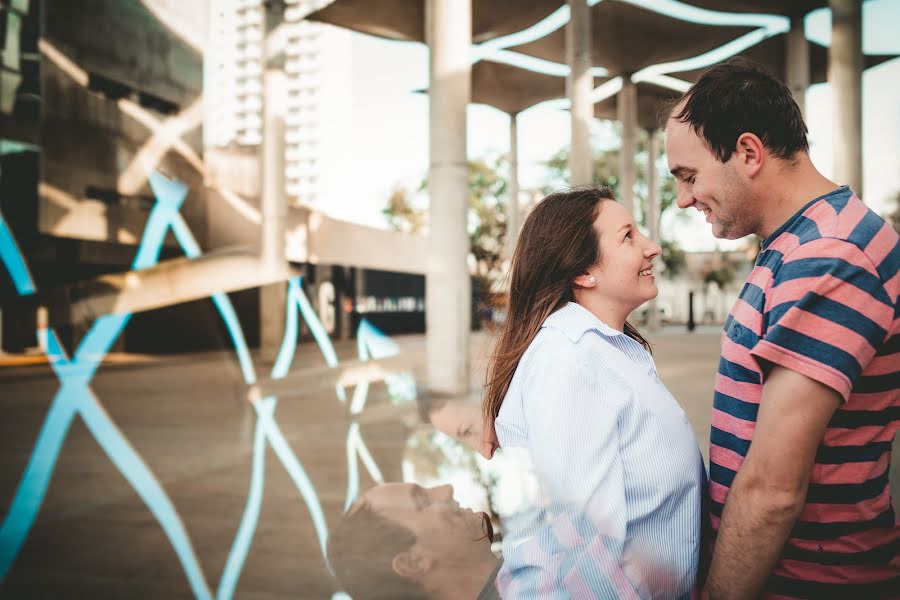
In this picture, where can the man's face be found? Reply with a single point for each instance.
(444, 531)
(709, 185)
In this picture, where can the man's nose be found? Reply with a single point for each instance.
(685, 198)
(443, 492)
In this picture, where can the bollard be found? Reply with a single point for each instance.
(690, 323)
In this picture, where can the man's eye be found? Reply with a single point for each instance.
(689, 180)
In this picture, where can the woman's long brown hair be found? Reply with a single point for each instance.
(557, 243)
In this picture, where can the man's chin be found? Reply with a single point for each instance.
(725, 234)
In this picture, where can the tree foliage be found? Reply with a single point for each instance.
(486, 226)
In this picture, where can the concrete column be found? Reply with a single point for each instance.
(627, 113)
(273, 200)
(513, 218)
(845, 65)
(448, 27)
(653, 215)
(797, 62)
(579, 85)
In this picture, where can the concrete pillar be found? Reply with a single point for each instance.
(448, 27)
(653, 216)
(513, 218)
(797, 62)
(273, 200)
(627, 113)
(845, 66)
(579, 85)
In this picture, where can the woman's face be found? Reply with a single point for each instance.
(460, 420)
(624, 276)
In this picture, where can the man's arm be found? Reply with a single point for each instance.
(769, 490)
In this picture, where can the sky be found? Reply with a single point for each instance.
(388, 127)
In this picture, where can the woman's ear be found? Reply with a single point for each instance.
(586, 281)
(411, 564)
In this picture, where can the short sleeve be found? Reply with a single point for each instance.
(826, 314)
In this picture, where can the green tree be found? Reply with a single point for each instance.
(401, 213)
(673, 258)
(486, 226)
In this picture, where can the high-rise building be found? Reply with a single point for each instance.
(316, 62)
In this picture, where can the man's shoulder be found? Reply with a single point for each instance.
(848, 230)
(830, 237)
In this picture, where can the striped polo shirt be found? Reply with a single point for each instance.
(822, 301)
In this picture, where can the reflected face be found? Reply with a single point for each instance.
(461, 420)
(443, 530)
(709, 185)
(624, 275)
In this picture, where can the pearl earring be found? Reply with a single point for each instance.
(591, 279)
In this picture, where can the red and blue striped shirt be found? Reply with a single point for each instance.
(822, 300)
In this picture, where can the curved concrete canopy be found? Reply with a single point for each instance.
(405, 19)
(772, 54)
(512, 89)
(789, 8)
(627, 38)
(651, 99)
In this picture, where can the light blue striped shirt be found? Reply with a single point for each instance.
(620, 471)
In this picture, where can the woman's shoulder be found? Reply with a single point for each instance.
(550, 347)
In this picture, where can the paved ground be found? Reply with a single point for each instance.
(189, 419)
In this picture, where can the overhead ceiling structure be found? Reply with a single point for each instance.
(625, 38)
(651, 99)
(512, 89)
(791, 8)
(772, 54)
(405, 19)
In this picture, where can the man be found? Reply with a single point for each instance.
(807, 400)
(400, 540)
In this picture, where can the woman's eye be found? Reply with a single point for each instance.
(690, 180)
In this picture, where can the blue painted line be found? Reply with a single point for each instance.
(301, 480)
(12, 258)
(296, 298)
(33, 485)
(129, 463)
(75, 397)
(240, 548)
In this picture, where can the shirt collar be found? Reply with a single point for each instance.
(574, 321)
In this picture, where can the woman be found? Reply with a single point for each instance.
(574, 383)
